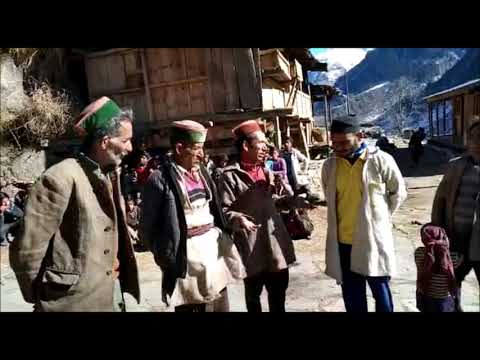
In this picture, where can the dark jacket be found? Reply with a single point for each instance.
(443, 209)
(163, 228)
(9, 222)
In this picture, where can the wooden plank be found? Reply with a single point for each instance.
(176, 102)
(159, 102)
(208, 59)
(105, 74)
(179, 82)
(293, 90)
(258, 72)
(164, 65)
(304, 140)
(186, 76)
(216, 78)
(148, 95)
(117, 92)
(278, 133)
(173, 70)
(296, 70)
(273, 99)
(137, 103)
(133, 70)
(199, 98)
(164, 85)
(232, 100)
(109, 52)
(275, 65)
(196, 62)
(250, 97)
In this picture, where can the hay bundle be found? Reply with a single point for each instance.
(47, 116)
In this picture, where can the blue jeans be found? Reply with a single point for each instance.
(428, 304)
(354, 287)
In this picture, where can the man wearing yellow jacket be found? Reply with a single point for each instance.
(363, 187)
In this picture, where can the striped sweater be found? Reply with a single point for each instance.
(466, 201)
(439, 282)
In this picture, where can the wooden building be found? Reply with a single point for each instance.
(452, 111)
(219, 86)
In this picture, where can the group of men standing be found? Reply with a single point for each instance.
(74, 251)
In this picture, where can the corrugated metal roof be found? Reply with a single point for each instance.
(468, 84)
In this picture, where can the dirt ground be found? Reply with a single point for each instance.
(310, 289)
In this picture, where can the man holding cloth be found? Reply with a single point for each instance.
(246, 190)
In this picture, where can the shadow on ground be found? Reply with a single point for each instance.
(433, 162)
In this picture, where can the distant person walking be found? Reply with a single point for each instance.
(415, 145)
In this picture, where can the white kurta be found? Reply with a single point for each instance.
(213, 261)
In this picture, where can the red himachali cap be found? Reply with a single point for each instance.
(246, 128)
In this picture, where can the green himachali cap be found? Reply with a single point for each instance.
(97, 115)
(188, 131)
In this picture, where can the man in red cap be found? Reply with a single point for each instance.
(259, 232)
(74, 252)
(183, 225)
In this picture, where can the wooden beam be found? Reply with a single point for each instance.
(256, 58)
(252, 114)
(180, 82)
(154, 86)
(430, 119)
(117, 92)
(294, 90)
(278, 133)
(326, 119)
(148, 95)
(109, 52)
(304, 140)
(444, 116)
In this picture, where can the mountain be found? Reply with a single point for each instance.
(339, 60)
(387, 64)
(386, 88)
(335, 70)
(466, 69)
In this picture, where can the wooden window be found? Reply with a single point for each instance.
(476, 104)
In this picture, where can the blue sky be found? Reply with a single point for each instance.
(318, 51)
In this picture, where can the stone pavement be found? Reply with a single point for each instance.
(310, 289)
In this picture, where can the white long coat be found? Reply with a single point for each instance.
(384, 190)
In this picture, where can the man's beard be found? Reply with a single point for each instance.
(354, 148)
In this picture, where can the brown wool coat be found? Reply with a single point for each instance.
(443, 209)
(270, 248)
(65, 253)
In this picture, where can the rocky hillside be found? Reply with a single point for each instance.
(466, 69)
(386, 88)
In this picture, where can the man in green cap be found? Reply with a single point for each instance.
(74, 252)
(184, 227)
